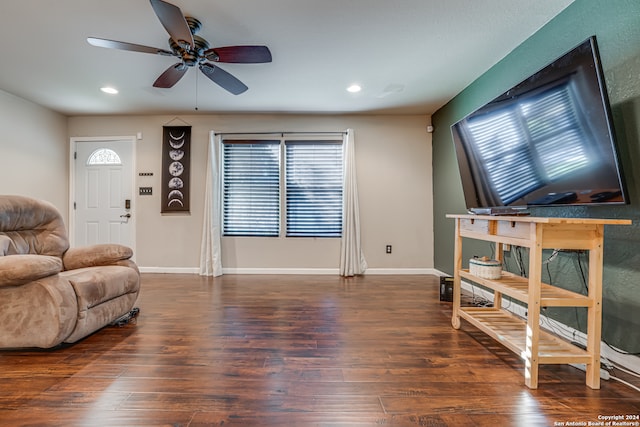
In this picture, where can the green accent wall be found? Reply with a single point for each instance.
(616, 25)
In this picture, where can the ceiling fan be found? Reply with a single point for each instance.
(192, 50)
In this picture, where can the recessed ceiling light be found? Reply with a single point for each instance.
(109, 90)
(354, 88)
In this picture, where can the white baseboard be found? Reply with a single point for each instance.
(170, 270)
(301, 271)
(400, 271)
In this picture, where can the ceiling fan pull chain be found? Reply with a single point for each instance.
(197, 91)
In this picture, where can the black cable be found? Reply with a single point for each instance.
(520, 262)
(585, 283)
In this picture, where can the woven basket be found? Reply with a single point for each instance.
(485, 268)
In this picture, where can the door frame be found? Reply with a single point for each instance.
(73, 142)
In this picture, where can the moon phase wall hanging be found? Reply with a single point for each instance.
(176, 141)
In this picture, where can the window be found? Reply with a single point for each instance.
(303, 177)
(313, 188)
(251, 188)
(104, 156)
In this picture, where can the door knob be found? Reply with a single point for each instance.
(128, 215)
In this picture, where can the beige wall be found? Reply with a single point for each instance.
(33, 149)
(393, 155)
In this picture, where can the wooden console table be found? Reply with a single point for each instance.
(524, 337)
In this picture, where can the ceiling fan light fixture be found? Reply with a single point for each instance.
(191, 50)
(110, 90)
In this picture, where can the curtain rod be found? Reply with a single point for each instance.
(282, 133)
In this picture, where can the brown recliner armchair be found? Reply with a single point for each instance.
(52, 294)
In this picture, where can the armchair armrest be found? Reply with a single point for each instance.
(95, 255)
(16, 270)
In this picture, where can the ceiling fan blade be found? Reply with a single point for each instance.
(223, 78)
(239, 54)
(173, 21)
(171, 76)
(113, 44)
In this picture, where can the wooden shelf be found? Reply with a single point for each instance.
(510, 331)
(517, 287)
(524, 337)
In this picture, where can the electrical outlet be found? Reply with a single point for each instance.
(388, 249)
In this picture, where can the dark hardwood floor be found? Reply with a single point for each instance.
(294, 351)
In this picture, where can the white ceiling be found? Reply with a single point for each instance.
(410, 56)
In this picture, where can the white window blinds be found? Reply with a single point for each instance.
(314, 182)
(251, 188)
(303, 191)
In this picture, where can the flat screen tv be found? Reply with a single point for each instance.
(547, 141)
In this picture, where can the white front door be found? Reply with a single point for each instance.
(102, 182)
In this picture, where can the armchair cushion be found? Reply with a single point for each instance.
(30, 226)
(95, 255)
(17, 270)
